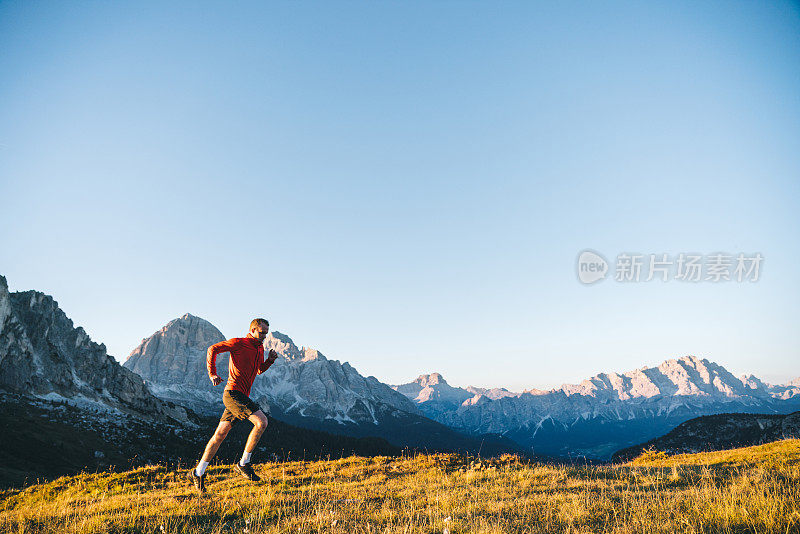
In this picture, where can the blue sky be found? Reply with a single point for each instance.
(406, 185)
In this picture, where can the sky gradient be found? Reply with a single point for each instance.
(406, 185)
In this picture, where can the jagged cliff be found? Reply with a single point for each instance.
(42, 354)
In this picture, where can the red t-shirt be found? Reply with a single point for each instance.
(246, 361)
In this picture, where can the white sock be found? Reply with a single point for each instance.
(201, 468)
(245, 458)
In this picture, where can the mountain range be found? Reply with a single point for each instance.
(592, 419)
(164, 382)
(605, 413)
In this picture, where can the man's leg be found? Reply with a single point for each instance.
(198, 474)
(259, 421)
(213, 444)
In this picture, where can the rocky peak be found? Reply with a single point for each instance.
(193, 330)
(172, 354)
(753, 382)
(433, 379)
(688, 375)
(284, 346)
(698, 376)
(433, 387)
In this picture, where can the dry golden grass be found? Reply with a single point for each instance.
(756, 489)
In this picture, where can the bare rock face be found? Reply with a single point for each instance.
(302, 382)
(43, 354)
(172, 362)
(172, 353)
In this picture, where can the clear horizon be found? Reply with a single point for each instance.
(407, 186)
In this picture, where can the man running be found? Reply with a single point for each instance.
(246, 361)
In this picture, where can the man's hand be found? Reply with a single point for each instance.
(215, 380)
(272, 355)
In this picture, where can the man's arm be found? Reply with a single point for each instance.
(211, 358)
(265, 364)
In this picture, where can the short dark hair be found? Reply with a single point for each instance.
(255, 322)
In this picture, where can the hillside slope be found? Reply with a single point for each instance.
(769, 455)
(719, 432)
(438, 493)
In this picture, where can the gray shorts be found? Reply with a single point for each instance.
(238, 406)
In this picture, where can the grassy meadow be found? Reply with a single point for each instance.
(753, 489)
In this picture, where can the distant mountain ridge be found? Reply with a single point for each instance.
(603, 412)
